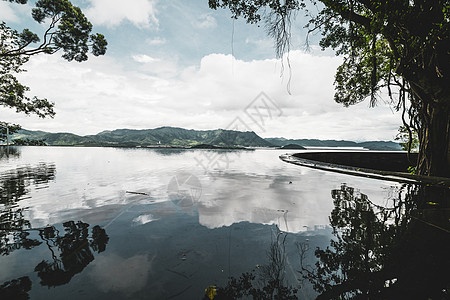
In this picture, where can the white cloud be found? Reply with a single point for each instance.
(101, 94)
(141, 13)
(156, 41)
(163, 68)
(11, 12)
(7, 14)
(142, 58)
(263, 43)
(205, 21)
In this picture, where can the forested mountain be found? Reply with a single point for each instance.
(168, 136)
(179, 137)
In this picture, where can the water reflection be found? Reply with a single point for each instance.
(385, 252)
(263, 199)
(115, 274)
(16, 289)
(168, 152)
(75, 251)
(264, 282)
(71, 249)
(14, 186)
(157, 250)
(6, 152)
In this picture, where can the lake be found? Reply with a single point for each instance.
(116, 223)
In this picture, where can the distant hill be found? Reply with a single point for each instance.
(373, 145)
(168, 136)
(292, 146)
(180, 137)
(54, 139)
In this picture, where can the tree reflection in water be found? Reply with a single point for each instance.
(394, 252)
(264, 282)
(14, 186)
(16, 289)
(6, 152)
(75, 254)
(74, 247)
(71, 250)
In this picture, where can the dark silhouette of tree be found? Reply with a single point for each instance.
(385, 252)
(399, 46)
(75, 253)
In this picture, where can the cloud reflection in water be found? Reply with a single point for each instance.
(113, 273)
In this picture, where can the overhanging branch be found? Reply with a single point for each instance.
(43, 47)
(346, 13)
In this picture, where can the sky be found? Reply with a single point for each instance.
(179, 63)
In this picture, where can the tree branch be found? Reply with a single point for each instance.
(346, 13)
(48, 37)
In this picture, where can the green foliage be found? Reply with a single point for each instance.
(28, 142)
(398, 46)
(409, 140)
(251, 10)
(412, 170)
(12, 92)
(378, 38)
(12, 128)
(68, 30)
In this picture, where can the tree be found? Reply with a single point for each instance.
(68, 30)
(12, 128)
(408, 139)
(396, 45)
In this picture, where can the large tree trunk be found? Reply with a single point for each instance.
(434, 133)
(434, 155)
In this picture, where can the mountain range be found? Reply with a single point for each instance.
(180, 137)
(371, 145)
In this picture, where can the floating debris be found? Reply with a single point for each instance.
(137, 193)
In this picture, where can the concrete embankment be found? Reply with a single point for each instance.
(391, 166)
(383, 161)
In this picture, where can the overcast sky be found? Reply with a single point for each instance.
(179, 63)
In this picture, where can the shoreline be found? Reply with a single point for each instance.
(326, 163)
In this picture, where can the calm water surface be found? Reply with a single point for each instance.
(106, 223)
